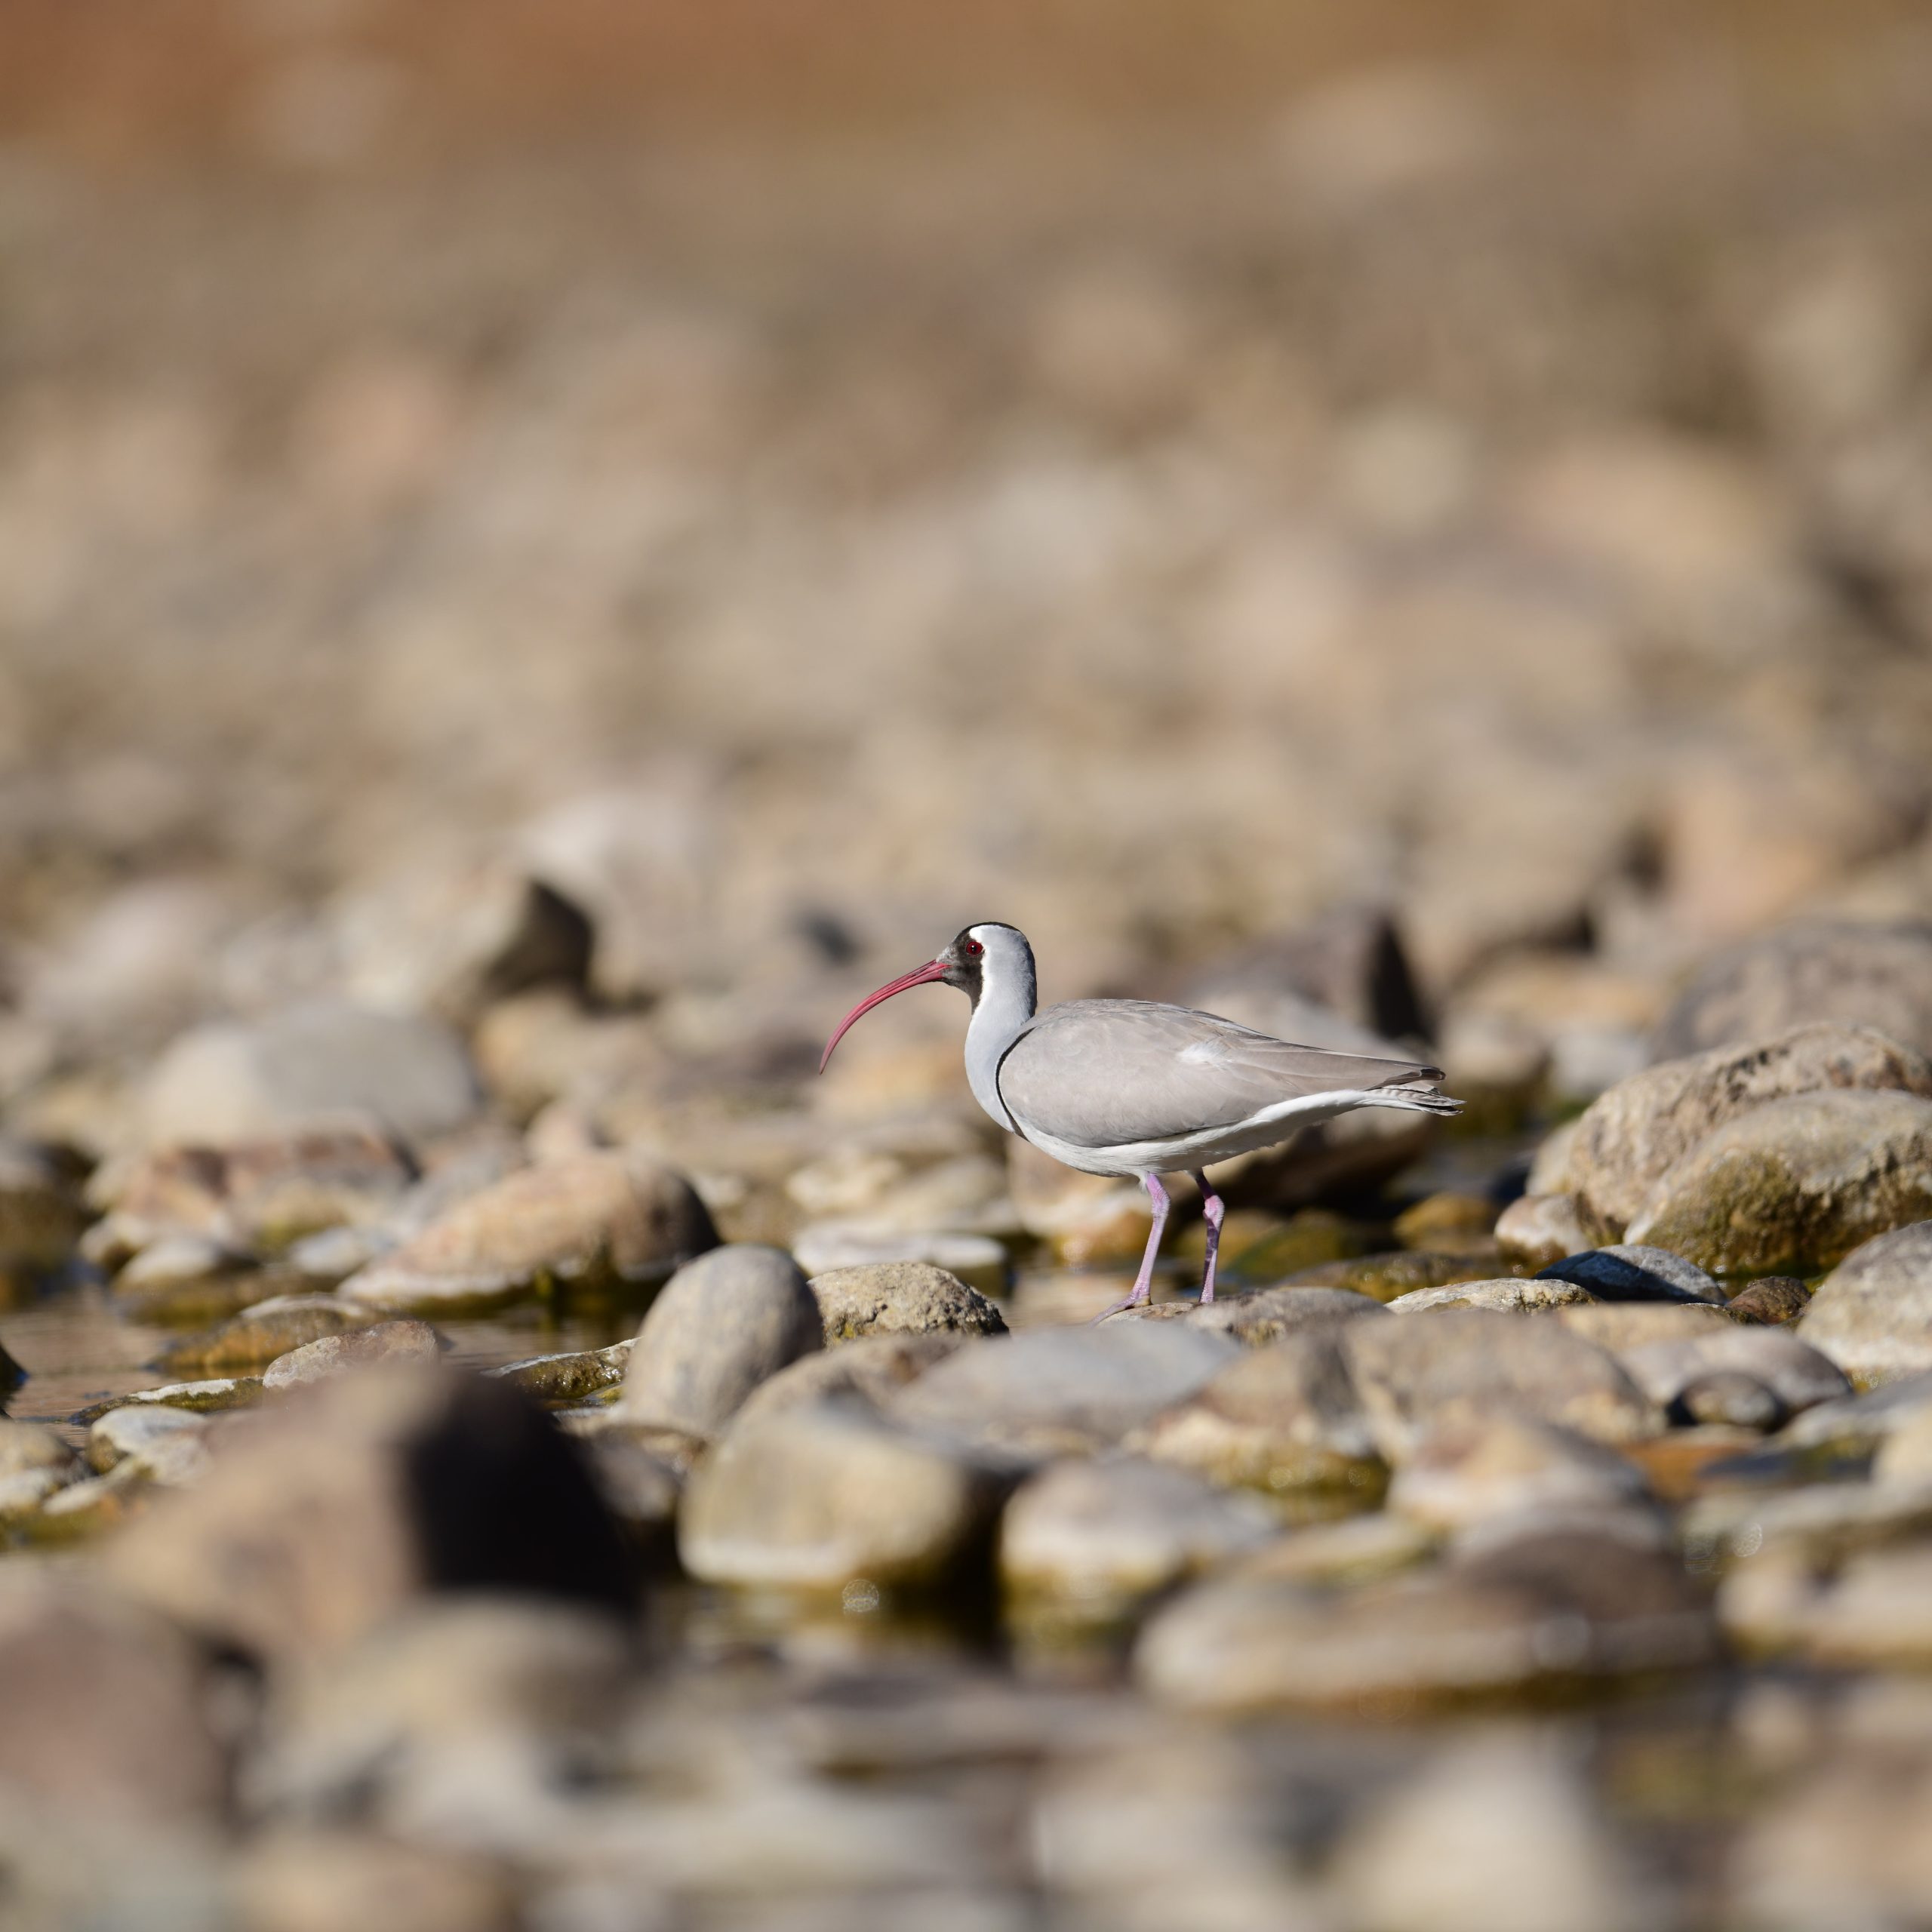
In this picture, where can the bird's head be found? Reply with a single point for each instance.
(980, 958)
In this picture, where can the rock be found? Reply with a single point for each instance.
(723, 1324)
(1879, 976)
(901, 1297)
(1862, 1425)
(107, 1712)
(839, 1247)
(261, 1334)
(1630, 1138)
(317, 1880)
(358, 1348)
(1345, 1552)
(1729, 1397)
(1618, 1325)
(1442, 1222)
(1535, 1230)
(555, 1380)
(1498, 1833)
(41, 1217)
(1509, 1296)
(1872, 1314)
(641, 1489)
(1632, 1272)
(1772, 1300)
(1844, 1846)
(1285, 1419)
(870, 1370)
(1534, 1613)
(326, 1260)
(340, 1509)
(34, 1463)
(1799, 1377)
(597, 1222)
(1471, 1364)
(1386, 1277)
(132, 1432)
(255, 1196)
(223, 1391)
(1796, 1184)
(239, 1080)
(1262, 1315)
(1084, 1544)
(187, 1278)
(1469, 1472)
(828, 1494)
(1062, 1392)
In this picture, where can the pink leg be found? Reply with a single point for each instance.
(1143, 1282)
(1211, 1210)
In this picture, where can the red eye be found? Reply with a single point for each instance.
(973, 948)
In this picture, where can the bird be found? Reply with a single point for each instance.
(1133, 1088)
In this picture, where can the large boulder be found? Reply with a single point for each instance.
(1872, 1314)
(237, 1080)
(1875, 976)
(315, 1524)
(1630, 1137)
(1796, 1184)
(724, 1323)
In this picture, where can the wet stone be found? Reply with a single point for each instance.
(260, 1334)
(827, 1494)
(221, 1392)
(1507, 1296)
(559, 1379)
(1796, 1185)
(1772, 1301)
(598, 1223)
(723, 1323)
(187, 1278)
(901, 1297)
(1083, 1543)
(1472, 1363)
(1629, 1272)
(383, 1342)
(1872, 1314)
(1061, 1391)
(1630, 1137)
(1284, 1420)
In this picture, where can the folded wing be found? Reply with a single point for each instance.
(1115, 1072)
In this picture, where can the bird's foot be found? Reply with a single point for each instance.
(1136, 1299)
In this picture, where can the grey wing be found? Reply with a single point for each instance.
(1114, 1073)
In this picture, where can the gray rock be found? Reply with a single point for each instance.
(1261, 1316)
(1797, 1184)
(1875, 976)
(870, 1370)
(1497, 1833)
(343, 1508)
(901, 1297)
(595, 1222)
(1522, 1616)
(261, 1334)
(1284, 1420)
(1872, 1314)
(1630, 1138)
(1061, 1391)
(1800, 1377)
(1469, 1364)
(238, 1080)
(827, 1494)
(1728, 1398)
(1861, 1425)
(723, 1324)
(1466, 1472)
(133, 1432)
(641, 1489)
(1537, 1229)
(34, 1463)
(1083, 1543)
(361, 1348)
(1630, 1272)
(1510, 1296)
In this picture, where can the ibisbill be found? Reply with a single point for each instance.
(1124, 1087)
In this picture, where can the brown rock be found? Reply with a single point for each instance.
(1772, 1300)
(360, 1348)
(261, 1334)
(871, 1371)
(1872, 1314)
(901, 1297)
(599, 1220)
(1537, 1230)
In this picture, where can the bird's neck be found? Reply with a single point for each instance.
(1005, 1004)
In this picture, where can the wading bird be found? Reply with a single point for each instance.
(1127, 1087)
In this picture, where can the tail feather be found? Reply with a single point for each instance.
(1417, 1100)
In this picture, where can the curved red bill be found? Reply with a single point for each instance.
(936, 969)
